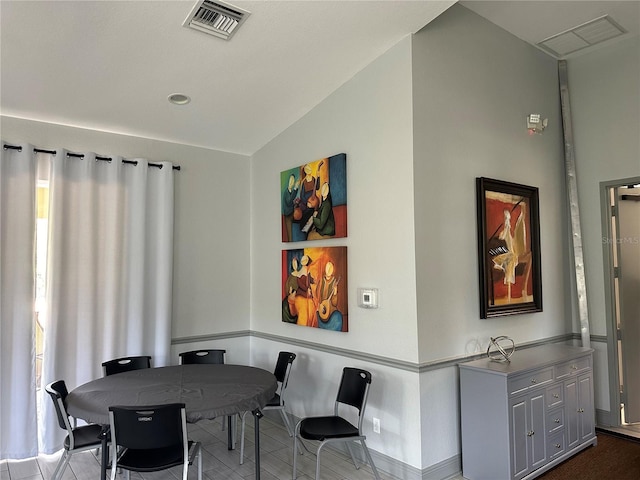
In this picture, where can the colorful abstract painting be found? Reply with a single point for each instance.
(314, 288)
(508, 248)
(314, 200)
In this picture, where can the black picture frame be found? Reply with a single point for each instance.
(509, 263)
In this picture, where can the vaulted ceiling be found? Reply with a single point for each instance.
(110, 65)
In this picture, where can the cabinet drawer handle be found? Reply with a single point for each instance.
(574, 367)
(581, 410)
(533, 380)
(557, 420)
(530, 433)
(555, 395)
(558, 445)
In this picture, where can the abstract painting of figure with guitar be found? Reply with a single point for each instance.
(508, 248)
(314, 200)
(314, 287)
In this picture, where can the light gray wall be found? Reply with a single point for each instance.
(369, 118)
(473, 86)
(604, 91)
(211, 265)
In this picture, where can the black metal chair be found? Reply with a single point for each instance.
(125, 364)
(151, 438)
(202, 356)
(211, 357)
(353, 391)
(281, 372)
(78, 439)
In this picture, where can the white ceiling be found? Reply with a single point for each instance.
(110, 65)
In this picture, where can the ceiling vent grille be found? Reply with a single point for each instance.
(216, 18)
(582, 36)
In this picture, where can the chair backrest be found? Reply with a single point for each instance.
(283, 367)
(126, 364)
(148, 427)
(202, 356)
(58, 392)
(354, 390)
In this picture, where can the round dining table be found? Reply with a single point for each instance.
(208, 391)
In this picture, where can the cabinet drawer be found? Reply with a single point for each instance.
(555, 420)
(554, 396)
(573, 367)
(534, 379)
(555, 446)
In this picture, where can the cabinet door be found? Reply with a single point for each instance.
(519, 414)
(529, 434)
(586, 427)
(537, 434)
(573, 417)
(580, 412)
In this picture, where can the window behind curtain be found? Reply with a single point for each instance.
(42, 225)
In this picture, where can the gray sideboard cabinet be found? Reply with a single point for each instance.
(523, 417)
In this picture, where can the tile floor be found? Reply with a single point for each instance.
(222, 464)
(218, 462)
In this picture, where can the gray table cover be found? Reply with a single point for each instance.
(208, 391)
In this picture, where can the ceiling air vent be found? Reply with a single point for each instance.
(582, 36)
(216, 18)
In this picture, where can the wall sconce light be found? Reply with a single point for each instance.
(535, 124)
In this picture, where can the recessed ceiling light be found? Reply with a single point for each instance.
(179, 98)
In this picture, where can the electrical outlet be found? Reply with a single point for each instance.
(376, 425)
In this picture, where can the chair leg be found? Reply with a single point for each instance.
(369, 459)
(353, 457)
(224, 422)
(62, 465)
(243, 417)
(318, 460)
(287, 422)
(200, 464)
(113, 464)
(296, 447)
(233, 429)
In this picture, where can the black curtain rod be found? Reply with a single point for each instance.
(80, 155)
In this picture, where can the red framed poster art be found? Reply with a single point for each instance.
(508, 248)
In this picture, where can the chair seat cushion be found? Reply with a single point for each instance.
(274, 402)
(321, 428)
(152, 460)
(85, 436)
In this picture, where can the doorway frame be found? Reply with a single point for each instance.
(613, 353)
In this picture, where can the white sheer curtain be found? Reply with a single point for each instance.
(18, 429)
(110, 261)
(109, 279)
